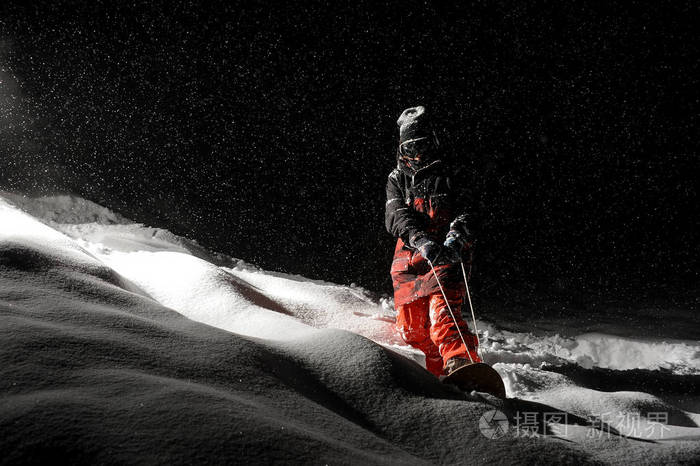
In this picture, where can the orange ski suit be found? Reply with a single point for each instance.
(426, 323)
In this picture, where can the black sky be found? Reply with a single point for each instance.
(266, 131)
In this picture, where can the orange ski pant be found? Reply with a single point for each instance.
(426, 324)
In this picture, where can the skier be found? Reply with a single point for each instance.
(425, 211)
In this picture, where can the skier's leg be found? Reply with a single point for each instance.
(443, 331)
(413, 325)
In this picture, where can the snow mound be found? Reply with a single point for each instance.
(120, 334)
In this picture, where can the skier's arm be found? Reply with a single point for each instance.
(400, 219)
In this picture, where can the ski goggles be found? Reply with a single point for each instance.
(412, 148)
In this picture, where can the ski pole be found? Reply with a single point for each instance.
(451, 313)
(471, 307)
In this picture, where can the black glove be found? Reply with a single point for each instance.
(453, 247)
(452, 250)
(428, 249)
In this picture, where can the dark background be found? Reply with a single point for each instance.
(266, 130)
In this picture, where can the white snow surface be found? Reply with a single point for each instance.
(107, 317)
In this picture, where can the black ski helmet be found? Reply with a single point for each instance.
(416, 132)
(413, 124)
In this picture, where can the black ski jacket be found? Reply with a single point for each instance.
(434, 187)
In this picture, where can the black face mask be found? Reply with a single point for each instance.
(417, 153)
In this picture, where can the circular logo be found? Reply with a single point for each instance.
(493, 424)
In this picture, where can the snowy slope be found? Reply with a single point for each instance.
(125, 342)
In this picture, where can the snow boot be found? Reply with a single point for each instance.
(455, 363)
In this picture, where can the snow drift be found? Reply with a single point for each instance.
(122, 342)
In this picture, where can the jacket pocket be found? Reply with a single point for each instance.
(400, 264)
